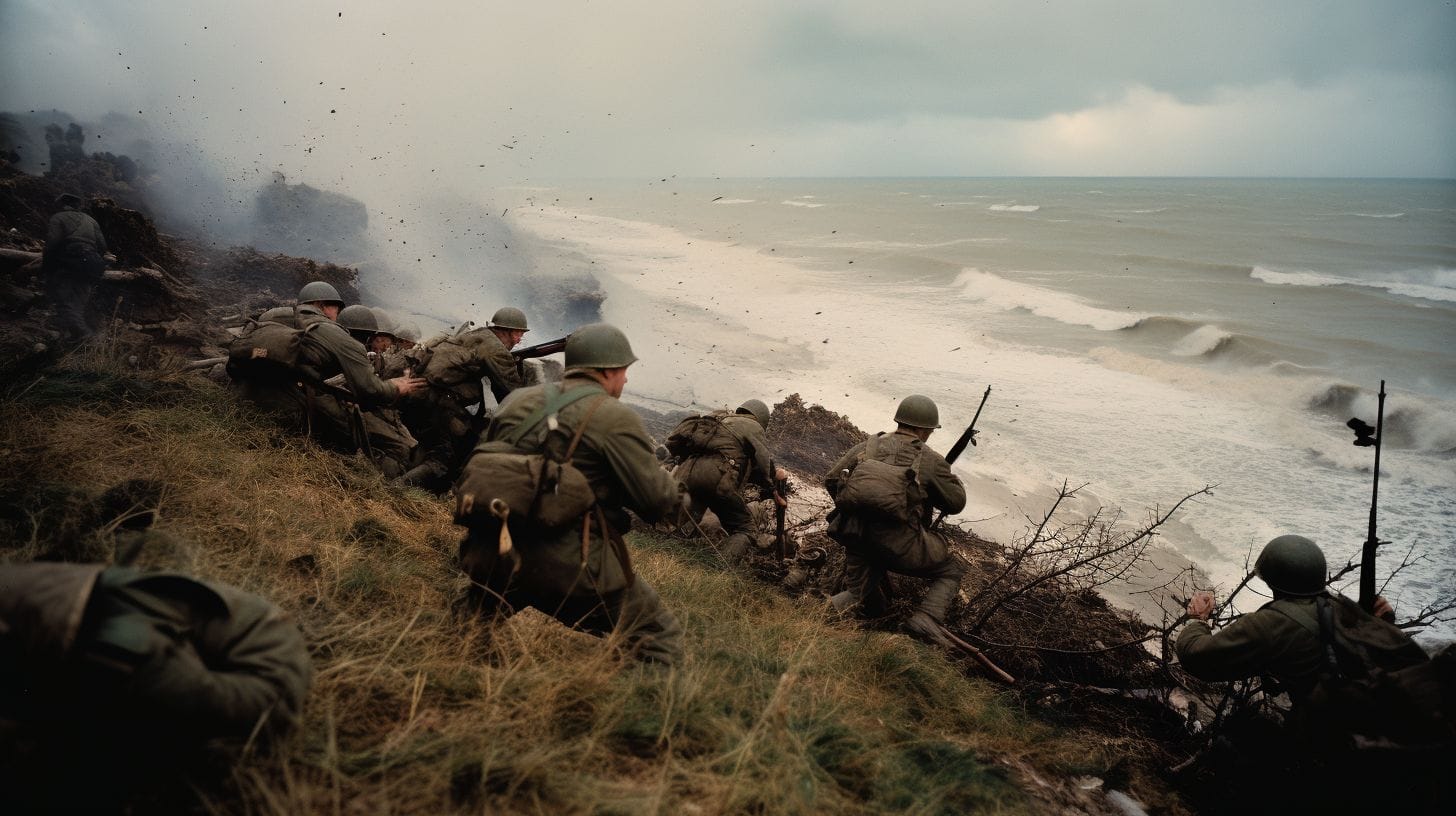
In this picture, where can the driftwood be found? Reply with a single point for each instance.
(18, 257)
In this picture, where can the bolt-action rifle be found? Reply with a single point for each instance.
(780, 491)
(967, 438)
(1365, 437)
(540, 349)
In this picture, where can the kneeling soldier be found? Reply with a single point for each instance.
(885, 490)
(721, 453)
(558, 547)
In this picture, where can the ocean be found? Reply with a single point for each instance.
(1142, 337)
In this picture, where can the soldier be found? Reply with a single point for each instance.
(386, 440)
(324, 349)
(1309, 767)
(577, 570)
(73, 261)
(721, 453)
(885, 490)
(134, 671)
(457, 364)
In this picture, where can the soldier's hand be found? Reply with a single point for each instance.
(1383, 610)
(780, 500)
(781, 475)
(407, 385)
(1200, 606)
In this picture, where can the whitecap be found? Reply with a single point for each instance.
(1425, 284)
(734, 201)
(1014, 207)
(1200, 341)
(1378, 215)
(1064, 308)
(793, 203)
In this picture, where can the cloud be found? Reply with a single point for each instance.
(390, 97)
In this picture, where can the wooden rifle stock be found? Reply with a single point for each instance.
(540, 349)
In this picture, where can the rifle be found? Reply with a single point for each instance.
(969, 437)
(1366, 436)
(540, 349)
(780, 487)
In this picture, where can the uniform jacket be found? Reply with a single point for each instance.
(743, 455)
(1280, 639)
(904, 546)
(206, 658)
(74, 227)
(616, 456)
(457, 365)
(328, 350)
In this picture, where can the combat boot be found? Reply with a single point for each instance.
(938, 597)
(844, 603)
(736, 546)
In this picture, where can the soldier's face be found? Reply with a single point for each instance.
(513, 338)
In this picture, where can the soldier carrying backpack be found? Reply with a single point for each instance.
(720, 453)
(884, 490)
(1369, 706)
(545, 495)
(282, 360)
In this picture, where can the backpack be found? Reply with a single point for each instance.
(1378, 688)
(883, 491)
(532, 491)
(266, 348)
(701, 435)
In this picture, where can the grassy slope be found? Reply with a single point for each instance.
(413, 711)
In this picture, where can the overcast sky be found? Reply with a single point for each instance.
(513, 91)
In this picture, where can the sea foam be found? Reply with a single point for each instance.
(1007, 295)
(1014, 207)
(1426, 284)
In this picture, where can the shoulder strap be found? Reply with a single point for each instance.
(1326, 617)
(554, 402)
(871, 448)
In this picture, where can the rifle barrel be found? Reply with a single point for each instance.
(1372, 541)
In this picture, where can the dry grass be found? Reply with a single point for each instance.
(413, 711)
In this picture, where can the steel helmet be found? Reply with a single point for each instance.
(319, 292)
(1293, 565)
(598, 345)
(918, 411)
(408, 331)
(358, 318)
(508, 317)
(68, 200)
(756, 409)
(386, 323)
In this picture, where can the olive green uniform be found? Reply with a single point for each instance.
(873, 547)
(72, 263)
(715, 479)
(113, 646)
(326, 350)
(586, 584)
(456, 367)
(1280, 640)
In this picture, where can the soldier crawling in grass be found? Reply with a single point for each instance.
(720, 454)
(545, 498)
(885, 490)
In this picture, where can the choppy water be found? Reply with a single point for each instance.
(1147, 337)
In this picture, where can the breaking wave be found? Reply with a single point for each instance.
(1425, 284)
(1009, 295)
(793, 203)
(734, 201)
(1014, 207)
(1192, 338)
(1410, 422)
(1378, 215)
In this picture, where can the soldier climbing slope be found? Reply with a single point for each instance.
(884, 492)
(72, 263)
(545, 499)
(720, 454)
